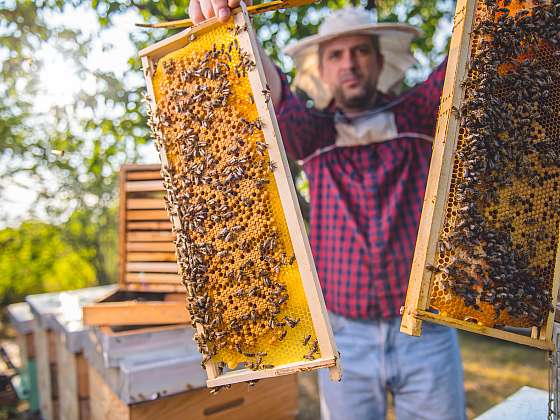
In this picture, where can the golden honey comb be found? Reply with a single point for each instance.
(220, 181)
(528, 209)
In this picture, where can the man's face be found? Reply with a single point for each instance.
(350, 67)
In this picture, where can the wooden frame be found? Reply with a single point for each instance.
(416, 308)
(247, 41)
(147, 262)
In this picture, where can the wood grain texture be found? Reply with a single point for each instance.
(104, 404)
(135, 313)
(67, 381)
(273, 399)
(45, 347)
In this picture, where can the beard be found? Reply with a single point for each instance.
(358, 99)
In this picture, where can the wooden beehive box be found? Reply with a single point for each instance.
(487, 258)
(241, 238)
(149, 289)
(157, 373)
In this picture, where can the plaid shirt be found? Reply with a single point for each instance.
(365, 200)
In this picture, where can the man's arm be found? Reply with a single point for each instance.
(426, 98)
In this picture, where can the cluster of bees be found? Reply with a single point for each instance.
(219, 183)
(498, 251)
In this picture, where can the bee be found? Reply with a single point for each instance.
(266, 93)
(292, 322)
(272, 166)
(306, 340)
(261, 147)
(282, 335)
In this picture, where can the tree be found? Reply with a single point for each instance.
(34, 258)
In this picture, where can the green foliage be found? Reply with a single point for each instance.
(35, 258)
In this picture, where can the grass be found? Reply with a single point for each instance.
(494, 369)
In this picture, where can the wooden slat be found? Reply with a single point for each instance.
(141, 167)
(135, 313)
(245, 375)
(143, 176)
(481, 329)
(122, 223)
(150, 246)
(150, 236)
(145, 203)
(153, 278)
(150, 256)
(151, 267)
(68, 395)
(105, 405)
(147, 215)
(164, 225)
(139, 186)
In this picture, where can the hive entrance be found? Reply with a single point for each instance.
(496, 254)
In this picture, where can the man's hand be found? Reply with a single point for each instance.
(200, 10)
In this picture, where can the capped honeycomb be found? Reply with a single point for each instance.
(234, 251)
(495, 259)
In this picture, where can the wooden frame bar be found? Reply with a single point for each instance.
(416, 308)
(302, 250)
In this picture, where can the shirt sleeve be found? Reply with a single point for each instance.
(304, 130)
(425, 99)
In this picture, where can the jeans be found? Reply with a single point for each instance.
(424, 374)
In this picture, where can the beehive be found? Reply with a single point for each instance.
(490, 258)
(241, 245)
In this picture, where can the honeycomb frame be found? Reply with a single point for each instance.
(282, 195)
(427, 293)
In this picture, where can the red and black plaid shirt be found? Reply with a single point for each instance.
(365, 200)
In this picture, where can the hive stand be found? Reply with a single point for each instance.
(149, 291)
(247, 41)
(417, 307)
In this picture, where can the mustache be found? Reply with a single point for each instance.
(349, 75)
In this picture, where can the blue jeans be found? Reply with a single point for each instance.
(424, 374)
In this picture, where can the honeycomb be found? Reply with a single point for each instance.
(495, 258)
(234, 251)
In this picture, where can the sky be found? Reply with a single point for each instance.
(60, 82)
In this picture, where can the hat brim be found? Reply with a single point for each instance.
(394, 45)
